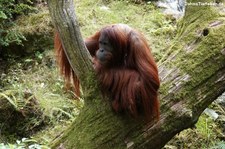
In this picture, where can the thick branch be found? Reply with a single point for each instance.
(65, 21)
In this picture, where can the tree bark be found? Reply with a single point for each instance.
(192, 75)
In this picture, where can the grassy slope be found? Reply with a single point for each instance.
(40, 75)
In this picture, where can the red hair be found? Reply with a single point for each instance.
(131, 81)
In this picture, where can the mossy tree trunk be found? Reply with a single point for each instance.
(192, 76)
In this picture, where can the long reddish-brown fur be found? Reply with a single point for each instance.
(132, 83)
(65, 68)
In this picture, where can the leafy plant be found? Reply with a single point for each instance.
(9, 11)
(219, 145)
(24, 143)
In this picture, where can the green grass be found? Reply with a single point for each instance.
(205, 135)
(157, 28)
(37, 77)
